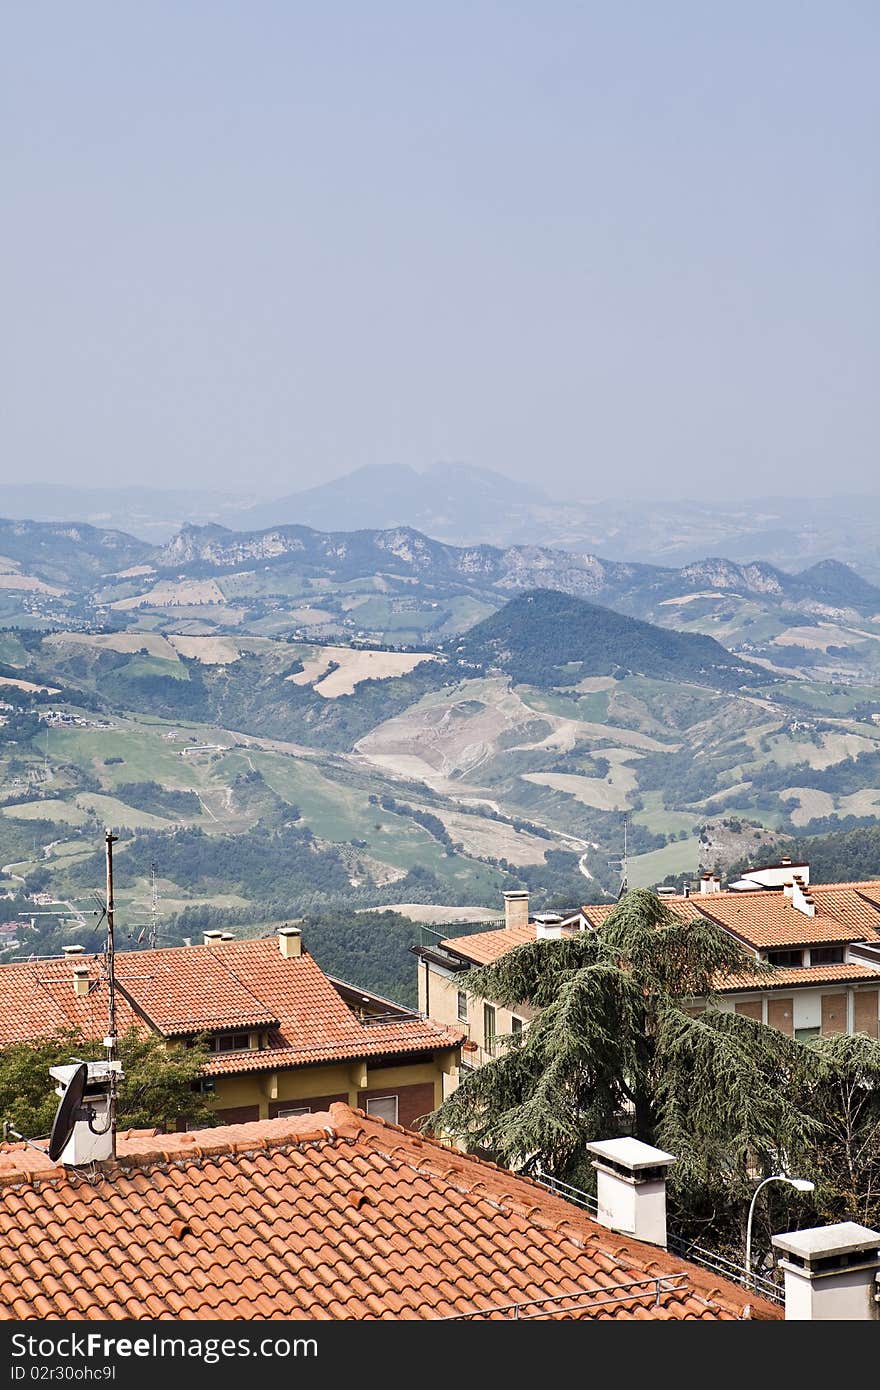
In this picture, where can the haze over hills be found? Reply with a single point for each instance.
(465, 506)
(445, 500)
(403, 587)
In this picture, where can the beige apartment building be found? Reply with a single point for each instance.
(823, 939)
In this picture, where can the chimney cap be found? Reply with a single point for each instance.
(516, 893)
(630, 1153)
(75, 950)
(825, 1242)
(290, 929)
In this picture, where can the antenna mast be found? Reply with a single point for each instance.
(622, 863)
(111, 1039)
(154, 904)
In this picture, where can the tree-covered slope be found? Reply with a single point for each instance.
(546, 638)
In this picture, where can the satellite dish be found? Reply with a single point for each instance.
(66, 1114)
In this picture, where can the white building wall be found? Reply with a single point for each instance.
(807, 1009)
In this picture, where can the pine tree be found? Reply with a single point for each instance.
(613, 1050)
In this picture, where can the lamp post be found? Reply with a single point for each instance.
(799, 1184)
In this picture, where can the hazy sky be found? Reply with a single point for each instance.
(627, 245)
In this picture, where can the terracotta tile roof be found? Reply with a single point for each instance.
(806, 975)
(766, 919)
(188, 989)
(763, 917)
(483, 947)
(330, 1216)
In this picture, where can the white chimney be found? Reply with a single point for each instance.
(516, 908)
(212, 938)
(81, 981)
(710, 884)
(831, 1273)
(548, 926)
(85, 1145)
(631, 1185)
(290, 942)
(801, 899)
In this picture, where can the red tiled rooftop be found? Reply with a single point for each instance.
(761, 917)
(329, 1216)
(806, 975)
(483, 947)
(188, 989)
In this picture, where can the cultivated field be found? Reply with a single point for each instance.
(170, 593)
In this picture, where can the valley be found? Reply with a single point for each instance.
(293, 723)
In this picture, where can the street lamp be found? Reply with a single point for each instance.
(799, 1184)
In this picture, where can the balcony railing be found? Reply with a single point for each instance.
(729, 1269)
(686, 1250)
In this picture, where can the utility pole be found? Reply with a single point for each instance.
(111, 1039)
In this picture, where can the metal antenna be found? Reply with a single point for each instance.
(110, 1042)
(622, 863)
(153, 935)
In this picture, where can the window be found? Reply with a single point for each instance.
(516, 1026)
(826, 955)
(489, 1028)
(786, 958)
(384, 1108)
(801, 1034)
(294, 1110)
(462, 1007)
(232, 1042)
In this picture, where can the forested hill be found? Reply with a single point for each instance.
(843, 856)
(546, 638)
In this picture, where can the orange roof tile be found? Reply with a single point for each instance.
(765, 919)
(189, 989)
(805, 975)
(483, 947)
(761, 917)
(334, 1215)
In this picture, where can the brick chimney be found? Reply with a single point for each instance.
(212, 938)
(290, 941)
(516, 908)
(631, 1185)
(831, 1273)
(81, 981)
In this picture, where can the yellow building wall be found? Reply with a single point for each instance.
(303, 1083)
(440, 1001)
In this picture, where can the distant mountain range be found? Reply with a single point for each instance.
(398, 585)
(403, 550)
(463, 505)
